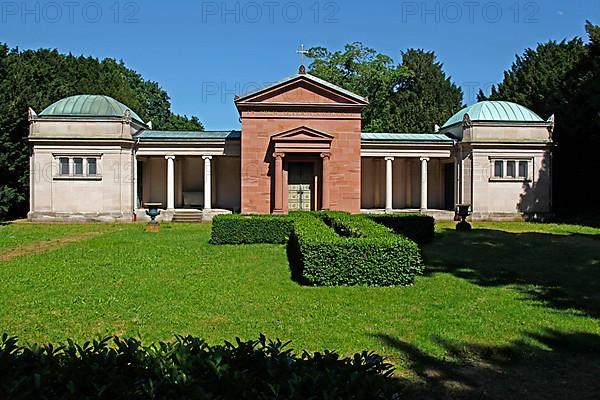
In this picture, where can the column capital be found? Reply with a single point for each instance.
(278, 155)
(207, 157)
(389, 158)
(326, 155)
(424, 159)
(170, 157)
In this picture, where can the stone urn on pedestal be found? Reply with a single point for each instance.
(461, 214)
(153, 211)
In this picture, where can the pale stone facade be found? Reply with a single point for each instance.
(300, 148)
(486, 143)
(105, 196)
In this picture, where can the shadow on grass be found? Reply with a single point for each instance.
(561, 271)
(589, 218)
(295, 262)
(568, 369)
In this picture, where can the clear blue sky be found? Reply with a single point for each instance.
(203, 52)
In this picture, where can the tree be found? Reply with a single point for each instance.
(410, 97)
(540, 78)
(182, 123)
(38, 78)
(155, 104)
(425, 98)
(365, 72)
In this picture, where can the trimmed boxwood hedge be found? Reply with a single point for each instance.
(343, 249)
(330, 248)
(188, 368)
(250, 229)
(417, 227)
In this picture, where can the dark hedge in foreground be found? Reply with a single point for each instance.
(188, 368)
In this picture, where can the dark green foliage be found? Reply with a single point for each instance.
(8, 197)
(417, 227)
(248, 229)
(562, 78)
(37, 79)
(342, 249)
(425, 98)
(363, 71)
(409, 97)
(182, 123)
(188, 368)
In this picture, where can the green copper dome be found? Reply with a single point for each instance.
(496, 111)
(88, 106)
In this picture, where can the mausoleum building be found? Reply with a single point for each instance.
(300, 147)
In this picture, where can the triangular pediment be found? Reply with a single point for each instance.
(302, 134)
(302, 89)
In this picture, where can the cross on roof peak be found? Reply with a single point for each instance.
(303, 53)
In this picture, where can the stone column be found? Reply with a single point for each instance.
(456, 181)
(459, 177)
(207, 182)
(278, 209)
(135, 182)
(170, 182)
(325, 181)
(389, 196)
(32, 179)
(424, 161)
(408, 187)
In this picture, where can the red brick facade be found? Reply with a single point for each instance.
(317, 115)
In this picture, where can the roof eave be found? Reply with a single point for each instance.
(186, 141)
(78, 139)
(496, 123)
(85, 118)
(376, 141)
(512, 143)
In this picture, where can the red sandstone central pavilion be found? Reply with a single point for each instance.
(300, 147)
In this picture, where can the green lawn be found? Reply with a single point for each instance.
(15, 236)
(519, 292)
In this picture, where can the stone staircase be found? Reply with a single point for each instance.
(187, 216)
